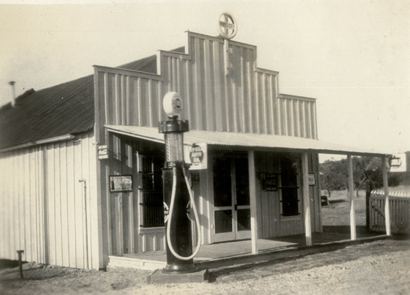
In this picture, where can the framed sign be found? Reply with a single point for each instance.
(269, 181)
(102, 152)
(120, 183)
(197, 156)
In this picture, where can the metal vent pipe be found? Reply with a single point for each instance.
(13, 93)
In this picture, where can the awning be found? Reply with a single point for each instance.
(245, 140)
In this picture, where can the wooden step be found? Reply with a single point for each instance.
(136, 263)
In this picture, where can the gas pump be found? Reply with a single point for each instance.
(178, 196)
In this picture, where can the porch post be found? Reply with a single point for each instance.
(306, 199)
(385, 167)
(351, 198)
(252, 199)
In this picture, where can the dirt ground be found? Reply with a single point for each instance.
(380, 267)
(338, 210)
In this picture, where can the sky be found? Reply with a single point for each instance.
(353, 56)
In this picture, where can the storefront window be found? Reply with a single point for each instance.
(152, 199)
(289, 186)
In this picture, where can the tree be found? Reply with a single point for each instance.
(366, 170)
(333, 175)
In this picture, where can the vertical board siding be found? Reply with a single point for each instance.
(231, 95)
(244, 100)
(42, 204)
(270, 222)
(299, 116)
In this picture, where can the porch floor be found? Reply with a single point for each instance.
(243, 247)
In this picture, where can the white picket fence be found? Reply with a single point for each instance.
(399, 211)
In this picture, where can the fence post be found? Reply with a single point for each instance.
(369, 188)
(306, 198)
(386, 195)
(353, 234)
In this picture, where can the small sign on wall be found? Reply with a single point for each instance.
(269, 181)
(311, 179)
(120, 183)
(197, 156)
(102, 152)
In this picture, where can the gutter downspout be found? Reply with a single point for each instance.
(84, 182)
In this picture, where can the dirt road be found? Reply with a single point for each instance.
(381, 267)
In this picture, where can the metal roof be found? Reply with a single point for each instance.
(244, 140)
(67, 108)
(56, 111)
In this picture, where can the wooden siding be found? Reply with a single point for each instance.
(244, 100)
(43, 207)
(123, 211)
(270, 221)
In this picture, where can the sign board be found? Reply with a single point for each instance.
(398, 163)
(227, 26)
(269, 182)
(103, 152)
(311, 179)
(197, 156)
(120, 183)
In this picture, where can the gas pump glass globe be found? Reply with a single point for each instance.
(172, 104)
(174, 148)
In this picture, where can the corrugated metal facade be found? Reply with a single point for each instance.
(244, 100)
(45, 210)
(223, 90)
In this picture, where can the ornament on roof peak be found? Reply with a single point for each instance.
(227, 26)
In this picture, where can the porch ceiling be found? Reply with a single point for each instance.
(246, 140)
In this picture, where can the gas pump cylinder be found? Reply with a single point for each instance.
(178, 197)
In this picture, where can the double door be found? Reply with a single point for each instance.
(231, 198)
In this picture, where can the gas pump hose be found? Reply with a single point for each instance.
(171, 209)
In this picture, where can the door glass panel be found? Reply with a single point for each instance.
(242, 181)
(244, 219)
(223, 221)
(222, 182)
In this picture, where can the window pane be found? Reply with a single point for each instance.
(244, 219)
(289, 201)
(152, 198)
(289, 174)
(242, 181)
(223, 221)
(153, 215)
(222, 182)
(289, 171)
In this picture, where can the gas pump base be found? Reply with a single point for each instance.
(160, 276)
